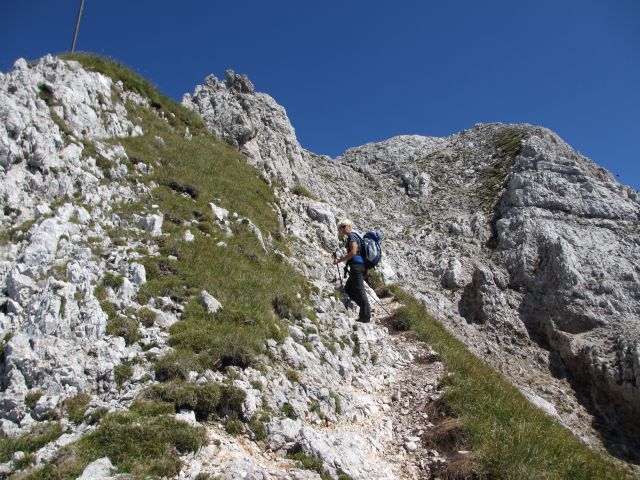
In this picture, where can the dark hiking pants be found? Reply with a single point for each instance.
(355, 289)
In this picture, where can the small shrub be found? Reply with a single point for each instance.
(146, 317)
(256, 384)
(232, 425)
(32, 399)
(96, 415)
(76, 407)
(356, 345)
(113, 280)
(151, 408)
(288, 411)
(109, 308)
(337, 401)
(302, 192)
(307, 462)
(100, 292)
(316, 408)
(256, 425)
(286, 306)
(177, 364)
(122, 373)
(231, 400)
(374, 279)
(24, 462)
(292, 376)
(126, 328)
(204, 399)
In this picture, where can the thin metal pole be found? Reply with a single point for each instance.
(75, 34)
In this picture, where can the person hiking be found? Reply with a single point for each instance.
(357, 271)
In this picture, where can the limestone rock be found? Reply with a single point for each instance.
(100, 469)
(253, 122)
(455, 276)
(209, 302)
(151, 223)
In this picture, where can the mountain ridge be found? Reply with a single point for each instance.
(540, 172)
(453, 234)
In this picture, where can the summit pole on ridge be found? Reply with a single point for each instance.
(75, 33)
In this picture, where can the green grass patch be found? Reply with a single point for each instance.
(204, 399)
(122, 373)
(37, 437)
(32, 398)
(144, 443)
(76, 407)
(507, 143)
(510, 437)
(244, 278)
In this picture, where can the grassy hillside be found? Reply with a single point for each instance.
(510, 438)
(187, 169)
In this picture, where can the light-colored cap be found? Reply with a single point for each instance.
(345, 222)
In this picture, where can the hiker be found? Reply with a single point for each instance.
(357, 270)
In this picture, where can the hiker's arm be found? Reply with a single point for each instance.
(353, 251)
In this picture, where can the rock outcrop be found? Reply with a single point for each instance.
(568, 234)
(509, 233)
(525, 249)
(252, 122)
(55, 204)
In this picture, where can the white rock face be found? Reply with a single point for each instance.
(35, 101)
(568, 235)
(210, 303)
(559, 262)
(253, 122)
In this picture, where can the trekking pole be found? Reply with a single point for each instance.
(385, 310)
(344, 298)
(338, 268)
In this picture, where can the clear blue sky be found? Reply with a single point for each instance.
(351, 72)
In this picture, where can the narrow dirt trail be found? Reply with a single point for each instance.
(418, 437)
(400, 429)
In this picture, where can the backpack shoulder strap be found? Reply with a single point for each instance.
(360, 242)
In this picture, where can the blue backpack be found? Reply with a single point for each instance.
(371, 248)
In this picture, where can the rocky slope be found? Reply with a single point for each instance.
(80, 336)
(526, 250)
(529, 250)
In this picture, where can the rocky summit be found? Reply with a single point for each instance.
(169, 308)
